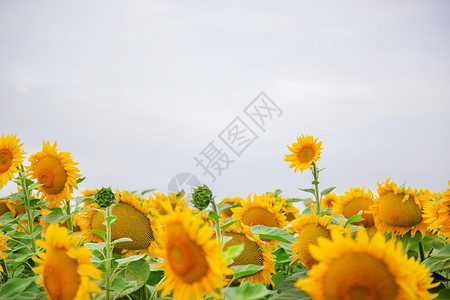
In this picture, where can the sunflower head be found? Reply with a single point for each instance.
(398, 209)
(364, 268)
(309, 229)
(304, 153)
(11, 156)
(133, 221)
(354, 201)
(104, 197)
(66, 269)
(201, 197)
(437, 212)
(261, 210)
(55, 172)
(192, 258)
(226, 213)
(256, 252)
(3, 246)
(329, 201)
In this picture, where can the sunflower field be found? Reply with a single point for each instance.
(391, 243)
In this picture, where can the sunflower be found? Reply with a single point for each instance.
(55, 172)
(358, 199)
(398, 210)
(192, 259)
(290, 211)
(133, 221)
(328, 201)
(309, 229)
(256, 252)
(161, 204)
(4, 206)
(11, 156)
(305, 152)
(66, 269)
(3, 246)
(260, 211)
(226, 213)
(437, 213)
(364, 269)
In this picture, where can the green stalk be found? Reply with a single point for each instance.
(108, 253)
(316, 186)
(218, 230)
(69, 220)
(29, 209)
(421, 252)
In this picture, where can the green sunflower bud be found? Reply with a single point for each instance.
(201, 197)
(104, 197)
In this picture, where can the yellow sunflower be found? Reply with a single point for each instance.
(11, 156)
(328, 201)
(398, 210)
(133, 221)
(226, 213)
(260, 211)
(3, 246)
(437, 213)
(192, 259)
(305, 152)
(256, 252)
(309, 229)
(364, 269)
(353, 202)
(66, 269)
(162, 204)
(290, 211)
(56, 172)
(4, 206)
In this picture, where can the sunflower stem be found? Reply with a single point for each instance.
(156, 288)
(421, 252)
(28, 208)
(5, 269)
(217, 211)
(69, 220)
(316, 186)
(108, 252)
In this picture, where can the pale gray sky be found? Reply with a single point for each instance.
(136, 89)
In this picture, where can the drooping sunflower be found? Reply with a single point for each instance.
(3, 246)
(305, 152)
(437, 213)
(260, 211)
(56, 172)
(352, 202)
(256, 252)
(133, 221)
(364, 269)
(309, 229)
(66, 269)
(398, 210)
(11, 156)
(328, 201)
(192, 259)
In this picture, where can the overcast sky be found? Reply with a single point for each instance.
(136, 89)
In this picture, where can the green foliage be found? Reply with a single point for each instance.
(439, 261)
(246, 291)
(273, 233)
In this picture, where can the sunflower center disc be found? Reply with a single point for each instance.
(308, 236)
(359, 276)
(185, 257)
(130, 223)
(6, 159)
(354, 206)
(51, 174)
(396, 212)
(251, 254)
(259, 216)
(306, 154)
(61, 279)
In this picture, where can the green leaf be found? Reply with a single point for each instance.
(7, 218)
(129, 259)
(439, 261)
(56, 216)
(281, 255)
(444, 294)
(98, 232)
(213, 216)
(292, 279)
(410, 243)
(294, 200)
(246, 291)
(110, 219)
(312, 191)
(81, 179)
(327, 191)
(232, 252)
(292, 293)
(224, 227)
(354, 219)
(121, 240)
(273, 233)
(14, 287)
(135, 275)
(245, 270)
(147, 191)
(95, 247)
(155, 277)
